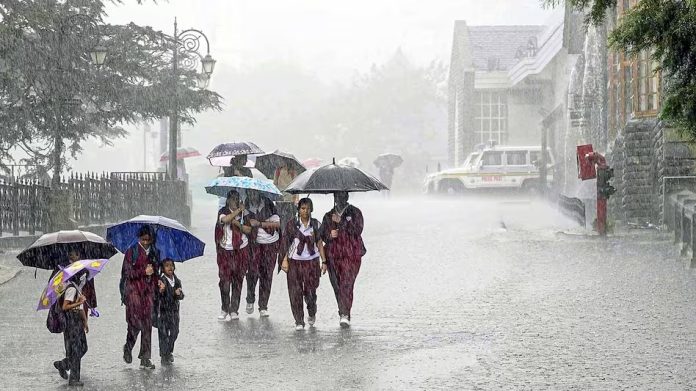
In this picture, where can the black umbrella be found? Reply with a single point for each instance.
(333, 178)
(220, 155)
(388, 160)
(51, 250)
(268, 163)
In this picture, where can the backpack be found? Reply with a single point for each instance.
(55, 321)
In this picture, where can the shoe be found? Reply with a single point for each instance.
(299, 327)
(263, 313)
(170, 358)
(75, 383)
(311, 320)
(146, 364)
(222, 316)
(127, 357)
(165, 360)
(345, 323)
(61, 371)
(233, 316)
(250, 308)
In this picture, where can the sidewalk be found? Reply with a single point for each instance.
(9, 266)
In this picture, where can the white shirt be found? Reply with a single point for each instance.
(305, 256)
(262, 236)
(227, 229)
(71, 295)
(171, 281)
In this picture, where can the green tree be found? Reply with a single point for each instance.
(666, 28)
(52, 98)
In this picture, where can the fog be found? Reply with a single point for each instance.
(300, 76)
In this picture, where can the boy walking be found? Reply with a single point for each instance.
(168, 298)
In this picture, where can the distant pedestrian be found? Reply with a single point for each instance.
(342, 229)
(139, 265)
(169, 295)
(76, 328)
(265, 242)
(236, 168)
(231, 243)
(302, 251)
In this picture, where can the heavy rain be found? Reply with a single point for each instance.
(374, 195)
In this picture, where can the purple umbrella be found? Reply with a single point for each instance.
(58, 283)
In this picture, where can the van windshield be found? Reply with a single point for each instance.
(470, 159)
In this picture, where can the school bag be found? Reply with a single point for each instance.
(55, 321)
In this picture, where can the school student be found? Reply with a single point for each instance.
(169, 295)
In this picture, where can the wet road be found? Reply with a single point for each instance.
(447, 298)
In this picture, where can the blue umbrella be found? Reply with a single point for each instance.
(220, 186)
(172, 239)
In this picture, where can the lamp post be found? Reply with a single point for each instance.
(97, 54)
(186, 42)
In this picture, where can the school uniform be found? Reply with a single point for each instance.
(139, 297)
(344, 254)
(74, 336)
(265, 243)
(304, 269)
(232, 258)
(168, 314)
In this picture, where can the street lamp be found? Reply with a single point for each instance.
(186, 42)
(98, 55)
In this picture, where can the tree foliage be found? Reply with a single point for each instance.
(52, 98)
(667, 29)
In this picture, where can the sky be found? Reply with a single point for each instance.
(330, 39)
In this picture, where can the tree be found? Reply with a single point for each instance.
(51, 96)
(667, 29)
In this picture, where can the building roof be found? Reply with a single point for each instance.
(499, 44)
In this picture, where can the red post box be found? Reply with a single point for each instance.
(586, 168)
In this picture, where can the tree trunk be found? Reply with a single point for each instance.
(57, 161)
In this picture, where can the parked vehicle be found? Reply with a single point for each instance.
(496, 167)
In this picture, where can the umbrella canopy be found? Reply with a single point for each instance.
(56, 286)
(220, 186)
(312, 162)
(334, 178)
(220, 156)
(350, 161)
(388, 160)
(268, 163)
(181, 153)
(51, 250)
(172, 239)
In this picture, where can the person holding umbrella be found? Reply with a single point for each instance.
(231, 243)
(76, 328)
(342, 229)
(139, 265)
(265, 235)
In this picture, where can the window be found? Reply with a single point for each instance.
(535, 158)
(490, 117)
(492, 159)
(516, 158)
(647, 84)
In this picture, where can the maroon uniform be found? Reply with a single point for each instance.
(300, 244)
(139, 297)
(264, 256)
(344, 254)
(232, 263)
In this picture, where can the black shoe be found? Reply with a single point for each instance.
(165, 360)
(170, 358)
(75, 383)
(127, 357)
(59, 366)
(146, 364)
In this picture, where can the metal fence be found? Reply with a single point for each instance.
(680, 212)
(573, 208)
(92, 199)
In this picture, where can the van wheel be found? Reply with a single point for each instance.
(451, 187)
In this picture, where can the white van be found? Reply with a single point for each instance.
(493, 168)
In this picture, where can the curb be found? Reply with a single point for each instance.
(8, 274)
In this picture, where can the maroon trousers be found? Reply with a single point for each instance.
(232, 265)
(262, 263)
(342, 274)
(303, 281)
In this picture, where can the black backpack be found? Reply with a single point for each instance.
(55, 321)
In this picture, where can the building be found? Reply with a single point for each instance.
(504, 81)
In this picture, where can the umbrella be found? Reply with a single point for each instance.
(312, 162)
(334, 178)
(181, 153)
(56, 286)
(220, 186)
(51, 250)
(389, 160)
(269, 162)
(220, 156)
(350, 161)
(172, 239)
